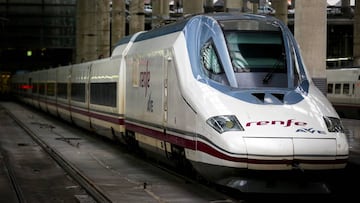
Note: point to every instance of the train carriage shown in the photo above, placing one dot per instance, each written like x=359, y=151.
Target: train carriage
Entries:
x=19, y=86
x=105, y=102
x=63, y=76
x=33, y=94
x=226, y=93
x=51, y=92
x=344, y=91
x=258, y=94
x=5, y=84
x=79, y=94
x=42, y=99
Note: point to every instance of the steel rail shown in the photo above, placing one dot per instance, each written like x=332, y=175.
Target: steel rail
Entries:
x=91, y=188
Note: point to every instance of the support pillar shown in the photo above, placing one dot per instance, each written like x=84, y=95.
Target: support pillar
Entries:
x=310, y=32
x=235, y=6
x=118, y=24
x=193, y=7
x=85, y=31
x=356, y=49
x=103, y=29
x=137, y=16
x=281, y=10
x=160, y=12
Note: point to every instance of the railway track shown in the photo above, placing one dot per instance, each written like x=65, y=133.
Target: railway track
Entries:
x=14, y=184
x=110, y=174
x=28, y=173
x=149, y=181
x=91, y=188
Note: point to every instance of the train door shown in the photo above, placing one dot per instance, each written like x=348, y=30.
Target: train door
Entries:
x=87, y=95
x=181, y=121
x=63, y=92
x=79, y=96
x=166, y=65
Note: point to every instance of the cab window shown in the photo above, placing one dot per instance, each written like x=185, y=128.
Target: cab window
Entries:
x=210, y=59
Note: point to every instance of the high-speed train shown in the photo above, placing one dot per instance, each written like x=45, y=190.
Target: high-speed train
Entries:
x=227, y=93
x=344, y=91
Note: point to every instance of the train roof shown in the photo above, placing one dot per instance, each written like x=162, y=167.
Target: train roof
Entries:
x=181, y=24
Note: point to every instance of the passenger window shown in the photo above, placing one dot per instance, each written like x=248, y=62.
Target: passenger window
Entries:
x=346, y=88
x=210, y=59
x=337, y=88
x=103, y=94
x=62, y=90
x=50, y=89
x=135, y=73
x=353, y=89
x=42, y=88
x=330, y=88
x=35, y=89
x=78, y=92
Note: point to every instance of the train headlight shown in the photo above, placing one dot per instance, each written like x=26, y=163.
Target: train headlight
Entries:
x=225, y=123
x=333, y=124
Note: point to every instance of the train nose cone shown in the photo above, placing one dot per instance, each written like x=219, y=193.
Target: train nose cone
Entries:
x=287, y=153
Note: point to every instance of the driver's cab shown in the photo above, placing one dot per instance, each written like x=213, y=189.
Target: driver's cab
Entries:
x=261, y=55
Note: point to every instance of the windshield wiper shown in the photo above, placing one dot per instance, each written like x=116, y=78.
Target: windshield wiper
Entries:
x=269, y=75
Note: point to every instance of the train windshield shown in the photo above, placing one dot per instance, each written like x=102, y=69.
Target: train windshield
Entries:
x=257, y=53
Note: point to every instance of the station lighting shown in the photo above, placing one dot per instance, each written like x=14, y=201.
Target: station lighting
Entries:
x=29, y=53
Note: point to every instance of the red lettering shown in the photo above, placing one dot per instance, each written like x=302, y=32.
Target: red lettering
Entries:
x=286, y=123
x=262, y=122
x=300, y=123
x=249, y=123
x=280, y=122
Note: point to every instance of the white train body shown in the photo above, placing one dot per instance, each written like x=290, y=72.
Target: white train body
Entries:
x=181, y=94
x=344, y=91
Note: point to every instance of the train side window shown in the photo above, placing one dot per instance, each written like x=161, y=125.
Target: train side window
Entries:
x=135, y=73
x=50, y=89
x=353, y=89
x=346, y=88
x=78, y=92
x=330, y=88
x=61, y=90
x=210, y=59
x=34, y=89
x=103, y=94
x=337, y=88
x=41, y=88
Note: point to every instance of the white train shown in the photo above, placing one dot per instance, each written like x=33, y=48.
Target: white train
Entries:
x=344, y=91
x=226, y=93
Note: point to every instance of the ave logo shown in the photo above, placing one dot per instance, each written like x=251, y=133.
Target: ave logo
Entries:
x=310, y=130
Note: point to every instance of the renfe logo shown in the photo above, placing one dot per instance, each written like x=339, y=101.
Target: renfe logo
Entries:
x=145, y=78
x=287, y=123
